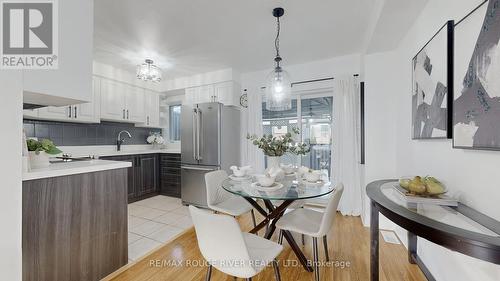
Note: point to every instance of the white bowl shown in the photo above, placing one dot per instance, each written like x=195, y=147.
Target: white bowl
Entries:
x=289, y=169
x=313, y=176
x=264, y=180
x=239, y=173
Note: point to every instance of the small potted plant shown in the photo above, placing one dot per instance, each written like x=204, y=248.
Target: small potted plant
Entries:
x=155, y=139
x=39, y=150
x=275, y=147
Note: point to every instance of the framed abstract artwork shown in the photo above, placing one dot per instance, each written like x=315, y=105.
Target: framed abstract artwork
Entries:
x=432, y=76
x=476, y=116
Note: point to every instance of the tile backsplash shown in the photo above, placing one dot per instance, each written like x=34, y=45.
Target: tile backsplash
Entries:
x=71, y=134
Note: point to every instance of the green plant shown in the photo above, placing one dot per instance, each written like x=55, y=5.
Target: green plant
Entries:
x=43, y=145
x=278, y=146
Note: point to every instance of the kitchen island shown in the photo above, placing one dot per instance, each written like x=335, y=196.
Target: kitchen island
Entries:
x=74, y=220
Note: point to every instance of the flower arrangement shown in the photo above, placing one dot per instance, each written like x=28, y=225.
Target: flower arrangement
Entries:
x=43, y=145
x=278, y=146
x=155, y=138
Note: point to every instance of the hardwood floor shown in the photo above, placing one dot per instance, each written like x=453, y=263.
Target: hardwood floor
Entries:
x=348, y=246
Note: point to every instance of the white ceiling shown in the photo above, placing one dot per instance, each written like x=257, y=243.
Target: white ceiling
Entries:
x=186, y=37
x=395, y=18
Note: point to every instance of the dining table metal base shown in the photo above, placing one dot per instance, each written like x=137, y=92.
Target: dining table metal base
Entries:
x=271, y=216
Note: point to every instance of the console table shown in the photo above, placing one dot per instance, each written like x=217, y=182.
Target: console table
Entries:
x=461, y=229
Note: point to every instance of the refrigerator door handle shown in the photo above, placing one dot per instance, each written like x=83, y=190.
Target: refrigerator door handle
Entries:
x=195, y=130
x=198, y=138
x=198, y=168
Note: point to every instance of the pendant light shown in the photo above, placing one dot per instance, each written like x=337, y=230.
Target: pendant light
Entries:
x=148, y=71
x=278, y=84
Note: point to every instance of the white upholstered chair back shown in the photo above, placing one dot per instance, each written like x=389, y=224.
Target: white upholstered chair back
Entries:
x=215, y=193
x=221, y=243
x=330, y=211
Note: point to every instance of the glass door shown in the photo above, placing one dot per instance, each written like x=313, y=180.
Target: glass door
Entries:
x=316, y=127
x=312, y=113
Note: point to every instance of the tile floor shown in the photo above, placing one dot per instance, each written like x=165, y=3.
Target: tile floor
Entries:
x=153, y=222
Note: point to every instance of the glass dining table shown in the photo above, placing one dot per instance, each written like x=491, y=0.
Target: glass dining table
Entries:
x=276, y=202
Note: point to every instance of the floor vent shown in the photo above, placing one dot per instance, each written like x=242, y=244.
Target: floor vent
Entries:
x=390, y=237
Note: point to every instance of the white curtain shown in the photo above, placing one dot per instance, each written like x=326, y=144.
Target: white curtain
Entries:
x=252, y=124
x=346, y=143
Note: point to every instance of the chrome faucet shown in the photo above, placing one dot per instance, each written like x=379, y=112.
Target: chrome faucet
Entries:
x=119, y=140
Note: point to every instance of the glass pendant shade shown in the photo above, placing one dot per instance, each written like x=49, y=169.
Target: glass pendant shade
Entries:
x=278, y=90
x=148, y=72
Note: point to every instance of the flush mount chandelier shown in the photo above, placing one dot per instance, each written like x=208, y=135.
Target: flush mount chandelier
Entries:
x=278, y=85
x=148, y=71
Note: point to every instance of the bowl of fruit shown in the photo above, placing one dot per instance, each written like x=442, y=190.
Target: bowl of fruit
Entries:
x=423, y=186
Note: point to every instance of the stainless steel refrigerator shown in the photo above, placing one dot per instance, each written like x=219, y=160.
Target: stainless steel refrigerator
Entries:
x=210, y=140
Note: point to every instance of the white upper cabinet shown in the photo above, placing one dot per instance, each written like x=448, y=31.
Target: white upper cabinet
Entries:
x=151, y=110
x=200, y=94
x=112, y=100
x=62, y=113
x=30, y=113
x=73, y=77
x=81, y=113
x=90, y=112
x=226, y=93
x=134, y=102
x=121, y=102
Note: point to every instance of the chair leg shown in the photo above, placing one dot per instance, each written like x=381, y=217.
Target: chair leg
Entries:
x=325, y=245
x=315, y=258
x=280, y=237
x=253, y=218
x=209, y=273
x=276, y=270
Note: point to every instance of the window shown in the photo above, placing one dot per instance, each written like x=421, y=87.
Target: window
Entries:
x=312, y=114
x=174, y=122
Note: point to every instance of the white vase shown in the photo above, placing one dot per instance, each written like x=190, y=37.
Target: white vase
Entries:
x=38, y=159
x=273, y=162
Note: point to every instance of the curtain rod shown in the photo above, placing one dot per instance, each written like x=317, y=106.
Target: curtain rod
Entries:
x=312, y=81
x=318, y=80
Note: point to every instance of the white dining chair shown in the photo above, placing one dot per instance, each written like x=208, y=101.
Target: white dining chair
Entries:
x=312, y=223
x=219, y=200
x=225, y=247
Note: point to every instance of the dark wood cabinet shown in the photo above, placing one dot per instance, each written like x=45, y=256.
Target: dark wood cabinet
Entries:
x=142, y=177
x=131, y=173
x=152, y=174
x=74, y=227
x=170, y=178
x=148, y=174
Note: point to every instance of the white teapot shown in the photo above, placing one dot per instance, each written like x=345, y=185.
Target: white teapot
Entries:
x=240, y=171
x=312, y=175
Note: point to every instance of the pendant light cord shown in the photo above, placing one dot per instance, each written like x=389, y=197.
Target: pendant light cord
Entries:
x=277, y=39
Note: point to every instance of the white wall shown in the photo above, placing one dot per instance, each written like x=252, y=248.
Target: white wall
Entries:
x=473, y=174
x=10, y=173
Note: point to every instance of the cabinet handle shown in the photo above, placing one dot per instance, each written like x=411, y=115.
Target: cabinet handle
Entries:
x=148, y=120
x=75, y=112
x=69, y=111
x=127, y=114
x=124, y=114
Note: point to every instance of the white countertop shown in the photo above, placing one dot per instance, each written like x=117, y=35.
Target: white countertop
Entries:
x=145, y=151
x=110, y=150
x=71, y=168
